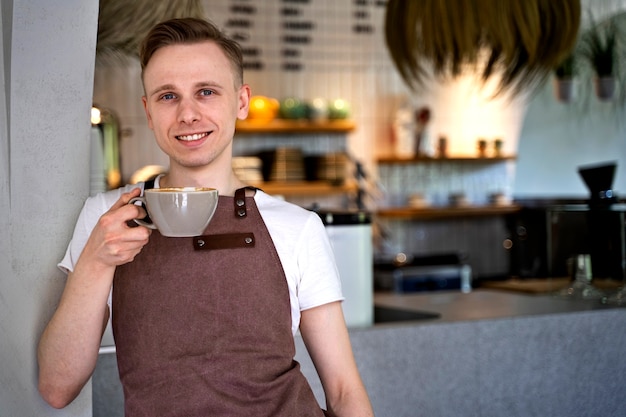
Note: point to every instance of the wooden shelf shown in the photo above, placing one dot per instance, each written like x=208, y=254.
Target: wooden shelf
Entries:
x=430, y=213
x=458, y=158
x=294, y=126
x=305, y=188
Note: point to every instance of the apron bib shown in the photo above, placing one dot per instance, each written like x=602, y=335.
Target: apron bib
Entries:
x=202, y=325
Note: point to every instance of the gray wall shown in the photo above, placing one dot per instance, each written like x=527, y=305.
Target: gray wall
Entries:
x=558, y=138
x=46, y=82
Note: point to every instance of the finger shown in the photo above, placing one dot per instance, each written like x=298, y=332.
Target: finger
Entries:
x=141, y=212
x=138, y=235
x=128, y=213
x=121, y=211
x=126, y=197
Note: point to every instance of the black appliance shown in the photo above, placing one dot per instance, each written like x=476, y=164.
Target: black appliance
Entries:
x=546, y=234
x=599, y=180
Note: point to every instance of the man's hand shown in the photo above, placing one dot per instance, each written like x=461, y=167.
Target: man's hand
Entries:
x=113, y=242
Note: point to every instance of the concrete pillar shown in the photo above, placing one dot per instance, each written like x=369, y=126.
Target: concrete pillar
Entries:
x=46, y=81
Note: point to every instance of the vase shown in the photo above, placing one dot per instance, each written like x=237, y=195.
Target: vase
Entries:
x=605, y=88
x=564, y=89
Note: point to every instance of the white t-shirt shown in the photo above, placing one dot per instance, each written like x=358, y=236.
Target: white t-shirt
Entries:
x=298, y=234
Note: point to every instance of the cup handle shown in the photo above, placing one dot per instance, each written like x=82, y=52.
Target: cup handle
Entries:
x=141, y=222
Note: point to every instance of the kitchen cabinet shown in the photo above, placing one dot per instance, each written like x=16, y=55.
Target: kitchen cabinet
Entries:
x=300, y=132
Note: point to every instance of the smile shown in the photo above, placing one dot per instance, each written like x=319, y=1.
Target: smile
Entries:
x=195, y=136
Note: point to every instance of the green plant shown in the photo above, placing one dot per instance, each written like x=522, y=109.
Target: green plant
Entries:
x=567, y=68
x=599, y=45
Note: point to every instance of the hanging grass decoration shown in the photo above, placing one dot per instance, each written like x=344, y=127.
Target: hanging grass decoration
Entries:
x=122, y=24
x=520, y=40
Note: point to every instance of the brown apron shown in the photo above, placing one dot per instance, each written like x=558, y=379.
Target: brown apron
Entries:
x=202, y=325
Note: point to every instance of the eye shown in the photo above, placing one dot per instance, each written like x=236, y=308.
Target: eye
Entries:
x=168, y=96
x=206, y=92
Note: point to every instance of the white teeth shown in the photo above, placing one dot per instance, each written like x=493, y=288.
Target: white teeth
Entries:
x=191, y=137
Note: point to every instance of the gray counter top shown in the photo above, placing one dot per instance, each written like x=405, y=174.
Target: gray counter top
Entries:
x=480, y=304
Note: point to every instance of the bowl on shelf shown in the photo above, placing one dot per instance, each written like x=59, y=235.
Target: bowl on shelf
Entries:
x=262, y=109
x=458, y=200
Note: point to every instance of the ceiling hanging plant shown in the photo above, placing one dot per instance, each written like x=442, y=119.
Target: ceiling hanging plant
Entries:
x=122, y=24
x=520, y=41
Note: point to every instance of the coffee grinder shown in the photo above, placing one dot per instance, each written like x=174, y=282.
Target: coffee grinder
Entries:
x=605, y=221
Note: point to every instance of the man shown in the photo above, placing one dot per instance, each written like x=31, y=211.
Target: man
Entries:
x=201, y=332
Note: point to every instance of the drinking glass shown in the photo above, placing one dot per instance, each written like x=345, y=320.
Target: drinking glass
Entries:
x=581, y=288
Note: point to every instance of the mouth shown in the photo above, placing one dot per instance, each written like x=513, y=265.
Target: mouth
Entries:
x=193, y=137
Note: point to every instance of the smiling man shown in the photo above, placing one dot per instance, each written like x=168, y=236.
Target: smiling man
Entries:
x=201, y=332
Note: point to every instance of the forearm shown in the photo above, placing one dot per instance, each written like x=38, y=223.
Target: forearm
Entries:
x=352, y=403
x=68, y=348
x=345, y=393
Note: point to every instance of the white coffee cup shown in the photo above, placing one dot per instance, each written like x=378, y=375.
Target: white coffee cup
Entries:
x=180, y=211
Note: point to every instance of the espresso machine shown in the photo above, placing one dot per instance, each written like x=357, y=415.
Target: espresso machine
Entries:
x=547, y=235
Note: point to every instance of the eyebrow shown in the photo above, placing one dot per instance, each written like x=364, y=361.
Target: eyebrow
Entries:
x=202, y=84
x=161, y=88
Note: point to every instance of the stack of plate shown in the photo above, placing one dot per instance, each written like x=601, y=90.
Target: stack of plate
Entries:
x=288, y=165
x=247, y=168
x=332, y=167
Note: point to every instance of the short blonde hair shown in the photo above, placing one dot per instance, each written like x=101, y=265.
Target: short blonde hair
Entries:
x=190, y=30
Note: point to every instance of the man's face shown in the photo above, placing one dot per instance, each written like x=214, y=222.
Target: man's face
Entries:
x=192, y=102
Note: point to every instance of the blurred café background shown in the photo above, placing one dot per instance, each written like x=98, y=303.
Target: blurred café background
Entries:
x=466, y=156
x=507, y=152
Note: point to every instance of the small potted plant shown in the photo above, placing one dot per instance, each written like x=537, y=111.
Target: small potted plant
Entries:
x=564, y=74
x=599, y=45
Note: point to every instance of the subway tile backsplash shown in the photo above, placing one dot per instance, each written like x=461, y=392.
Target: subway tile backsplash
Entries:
x=437, y=181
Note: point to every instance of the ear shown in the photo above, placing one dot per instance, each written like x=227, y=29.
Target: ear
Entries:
x=244, y=101
x=144, y=100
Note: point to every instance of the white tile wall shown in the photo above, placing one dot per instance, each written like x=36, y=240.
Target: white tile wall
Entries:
x=438, y=180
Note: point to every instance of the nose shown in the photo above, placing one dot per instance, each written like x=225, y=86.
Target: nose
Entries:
x=188, y=111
